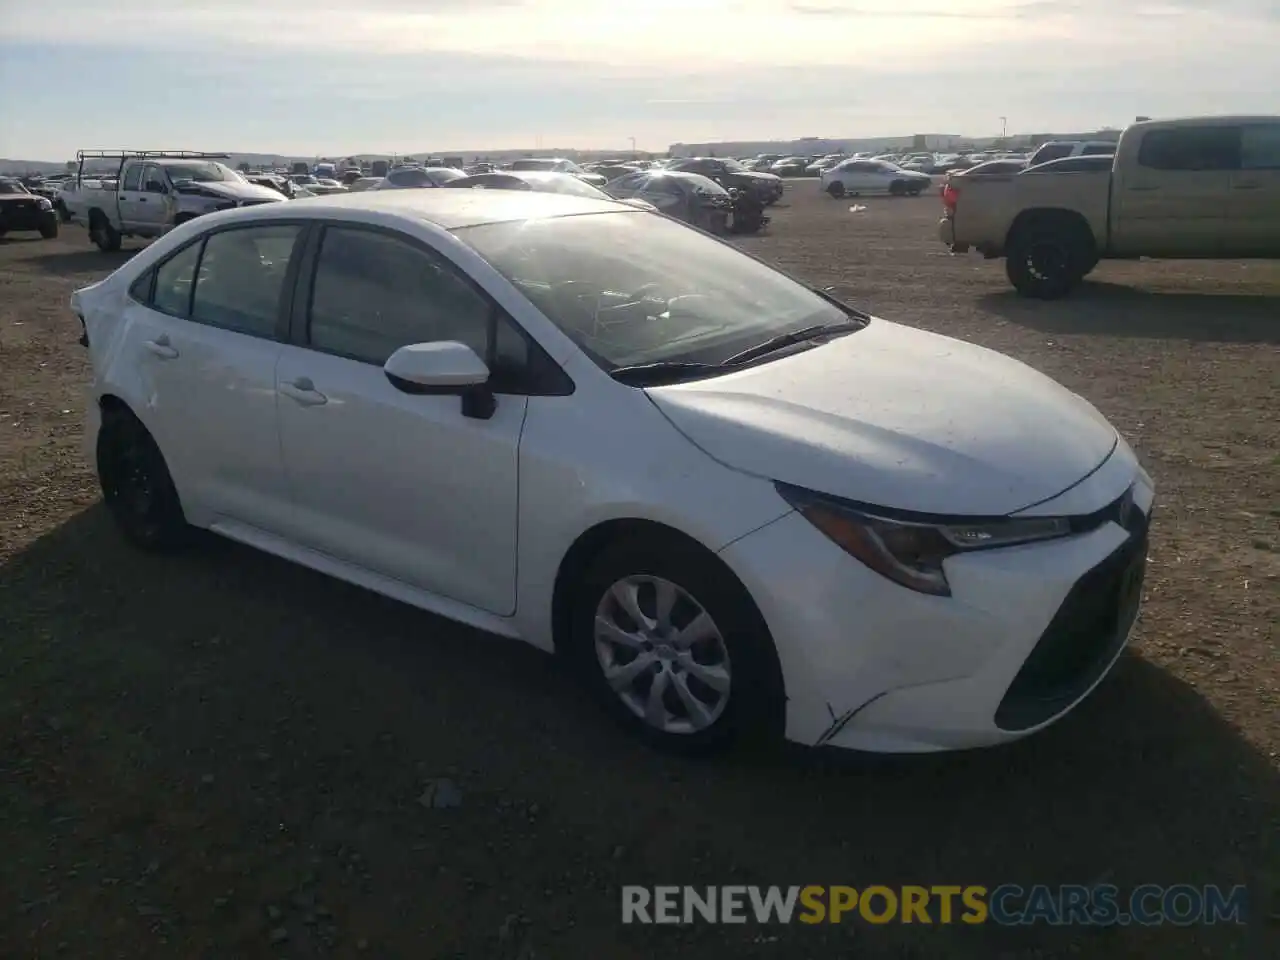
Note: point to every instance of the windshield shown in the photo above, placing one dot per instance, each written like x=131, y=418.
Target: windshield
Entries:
x=439, y=175
x=566, y=183
x=535, y=164
x=732, y=164
x=203, y=172
x=632, y=288
x=12, y=186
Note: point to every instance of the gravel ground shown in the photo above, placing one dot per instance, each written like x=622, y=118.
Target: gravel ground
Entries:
x=220, y=755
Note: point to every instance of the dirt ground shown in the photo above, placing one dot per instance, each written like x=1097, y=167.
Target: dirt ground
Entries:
x=221, y=755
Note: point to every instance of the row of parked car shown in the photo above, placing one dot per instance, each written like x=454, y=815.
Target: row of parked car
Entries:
x=151, y=192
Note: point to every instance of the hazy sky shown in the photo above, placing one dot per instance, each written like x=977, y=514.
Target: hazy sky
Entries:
x=292, y=76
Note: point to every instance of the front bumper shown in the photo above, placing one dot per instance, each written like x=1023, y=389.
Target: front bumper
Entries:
x=27, y=218
x=1028, y=632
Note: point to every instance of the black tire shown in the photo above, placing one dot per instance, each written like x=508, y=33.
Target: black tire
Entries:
x=102, y=233
x=755, y=704
x=63, y=213
x=1044, y=261
x=836, y=189
x=136, y=485
x=49, y=230
x=898, y=188
x=916, y=191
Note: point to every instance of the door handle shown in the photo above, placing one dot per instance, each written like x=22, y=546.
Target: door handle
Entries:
x=142, y=199
x=303, y=391
x=160, y=347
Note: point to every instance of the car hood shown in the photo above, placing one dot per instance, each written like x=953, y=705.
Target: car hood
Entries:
x=231, y=189
x=756, y=174
x=899, y=418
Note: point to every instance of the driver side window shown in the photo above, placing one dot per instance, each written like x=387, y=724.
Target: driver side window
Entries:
x=132, y=178
x=153, y=179
x=374, y=293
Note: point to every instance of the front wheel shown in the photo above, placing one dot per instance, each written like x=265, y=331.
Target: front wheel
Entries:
x=673, y=646
x=136, y=485
x=836, y=189
x=49, y=229
x=897, y=188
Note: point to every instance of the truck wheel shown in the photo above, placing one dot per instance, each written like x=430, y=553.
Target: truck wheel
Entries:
x=49, y=229
x=1045, y=263
x=897, y=188
x=836, y=189
x=102, y=233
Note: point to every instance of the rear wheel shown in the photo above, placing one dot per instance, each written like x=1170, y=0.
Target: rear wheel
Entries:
x=102, y=233
x=1045, y=262
x=836, y=189
x=673, y=646
x=136, y=485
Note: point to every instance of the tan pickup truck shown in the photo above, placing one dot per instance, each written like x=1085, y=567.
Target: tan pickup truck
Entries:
x=1200, y=188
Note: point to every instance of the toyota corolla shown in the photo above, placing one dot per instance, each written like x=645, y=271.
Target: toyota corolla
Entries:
x=732, y=503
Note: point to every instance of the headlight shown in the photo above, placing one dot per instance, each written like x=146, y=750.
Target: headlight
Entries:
x=911, y=552
x=44, y=204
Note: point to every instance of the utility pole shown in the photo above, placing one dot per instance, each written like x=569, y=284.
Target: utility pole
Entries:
x=633, y=147
x=1004, y=128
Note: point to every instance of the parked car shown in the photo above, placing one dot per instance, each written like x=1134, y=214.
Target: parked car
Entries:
x=816, y=168
x=729, y=173
x=790, y=167
x=158, y=190
x=1192, y=188
x=859, y=177
x=556, y=165
x=1058, y=149
x=416, y=178
x=690, y=197
x=364, y=183
x=21, y=210
x=543, y=181
x=993, y=168
x=604, y=433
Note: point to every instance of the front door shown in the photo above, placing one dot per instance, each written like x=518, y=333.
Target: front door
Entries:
x=1172, y=201
x=1253, y=212
x=152, y=205
x=401, y=484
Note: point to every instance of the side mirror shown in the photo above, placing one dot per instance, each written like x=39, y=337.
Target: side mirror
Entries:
x=443, y=367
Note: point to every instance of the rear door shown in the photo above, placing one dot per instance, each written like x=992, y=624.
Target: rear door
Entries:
x=1253, y=212
x=1171, y=199
x=206, y=326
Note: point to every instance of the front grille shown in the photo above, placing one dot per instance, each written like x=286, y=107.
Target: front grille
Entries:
x=1085, y=634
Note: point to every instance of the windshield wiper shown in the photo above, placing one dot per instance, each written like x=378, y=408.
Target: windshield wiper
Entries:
x=662, y=371
x=787, y=339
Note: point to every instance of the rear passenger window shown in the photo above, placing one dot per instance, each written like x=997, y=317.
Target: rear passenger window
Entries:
x=1260, y=147
x=241, y=279
x=1096, y=149
x=1191, y=149
x=174, y=278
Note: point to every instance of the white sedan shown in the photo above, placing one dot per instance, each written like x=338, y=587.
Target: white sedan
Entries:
x=852, y=178
x=734, y=504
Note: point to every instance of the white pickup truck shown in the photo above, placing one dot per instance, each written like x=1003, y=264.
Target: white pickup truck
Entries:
x=155, y=191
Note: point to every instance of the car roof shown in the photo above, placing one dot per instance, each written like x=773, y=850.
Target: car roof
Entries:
x=447, y=209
